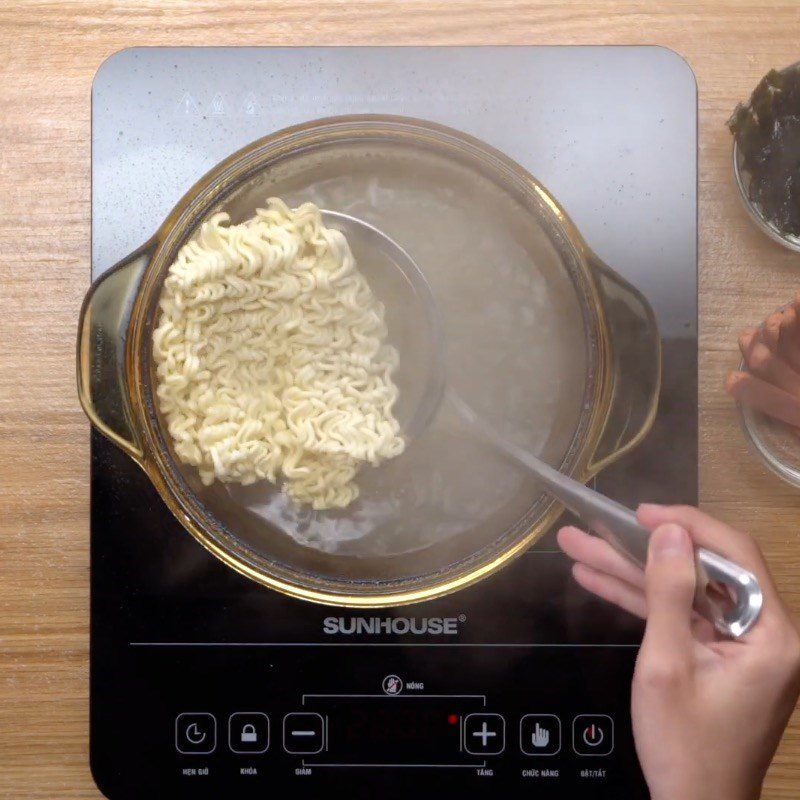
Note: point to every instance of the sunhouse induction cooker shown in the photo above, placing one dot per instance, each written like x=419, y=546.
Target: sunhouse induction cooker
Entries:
x=205, y=684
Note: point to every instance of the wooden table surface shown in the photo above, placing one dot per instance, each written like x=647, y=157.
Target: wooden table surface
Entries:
x=49, y=52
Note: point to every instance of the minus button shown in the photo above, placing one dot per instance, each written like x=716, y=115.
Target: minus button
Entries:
x=303, y=733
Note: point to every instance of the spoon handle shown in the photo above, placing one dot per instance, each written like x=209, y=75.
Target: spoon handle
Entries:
x=727, y=595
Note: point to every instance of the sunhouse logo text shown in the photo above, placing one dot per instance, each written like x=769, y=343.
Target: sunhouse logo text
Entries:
x=399, y=626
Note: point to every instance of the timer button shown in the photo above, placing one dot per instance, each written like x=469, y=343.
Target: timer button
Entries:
x=196, y=734
x=593, y=734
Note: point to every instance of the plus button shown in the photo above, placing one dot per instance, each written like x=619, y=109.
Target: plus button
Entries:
x=484, y=734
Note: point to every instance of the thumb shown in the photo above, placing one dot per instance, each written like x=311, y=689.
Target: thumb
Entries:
x=669, y=588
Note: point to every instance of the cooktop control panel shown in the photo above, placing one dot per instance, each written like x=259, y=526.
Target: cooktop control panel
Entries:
x=458, y=730
x=238, y=720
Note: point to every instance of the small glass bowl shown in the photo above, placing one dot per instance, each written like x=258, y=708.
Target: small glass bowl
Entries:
x=776, y=445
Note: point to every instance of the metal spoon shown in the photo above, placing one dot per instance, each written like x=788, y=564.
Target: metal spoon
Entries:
x=727, y=595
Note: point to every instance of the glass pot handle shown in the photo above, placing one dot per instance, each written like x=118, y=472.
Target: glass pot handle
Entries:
x=102, y=341
x=635, y=369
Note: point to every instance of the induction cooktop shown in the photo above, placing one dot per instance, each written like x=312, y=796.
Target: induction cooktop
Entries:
x=205, y=684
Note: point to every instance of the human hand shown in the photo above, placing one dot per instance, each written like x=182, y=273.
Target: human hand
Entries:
x=772, y=356
x=708, y=712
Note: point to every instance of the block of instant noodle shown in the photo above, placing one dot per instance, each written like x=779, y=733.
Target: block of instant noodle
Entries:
x=272, y=361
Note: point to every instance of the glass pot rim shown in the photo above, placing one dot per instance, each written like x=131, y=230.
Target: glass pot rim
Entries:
x=584, y=458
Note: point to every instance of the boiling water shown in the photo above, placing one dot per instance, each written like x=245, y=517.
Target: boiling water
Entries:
x=514, y=348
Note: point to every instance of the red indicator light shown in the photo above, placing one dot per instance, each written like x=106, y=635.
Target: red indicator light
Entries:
x=453, y=719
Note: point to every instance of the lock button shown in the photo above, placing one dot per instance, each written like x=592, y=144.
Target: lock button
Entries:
x=248, y=732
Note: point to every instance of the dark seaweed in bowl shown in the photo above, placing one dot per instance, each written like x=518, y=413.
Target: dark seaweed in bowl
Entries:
x=767, y=132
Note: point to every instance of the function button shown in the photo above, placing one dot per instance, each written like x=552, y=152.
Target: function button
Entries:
x=484, y=734
x=540, y=734
x=195, y=733
x=593, y=734
x=248, y=732
x=303, y=733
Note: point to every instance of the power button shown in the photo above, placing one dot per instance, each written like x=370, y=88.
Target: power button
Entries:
x=593, y=735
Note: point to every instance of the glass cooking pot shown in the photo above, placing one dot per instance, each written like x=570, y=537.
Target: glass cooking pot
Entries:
x=540, y=337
